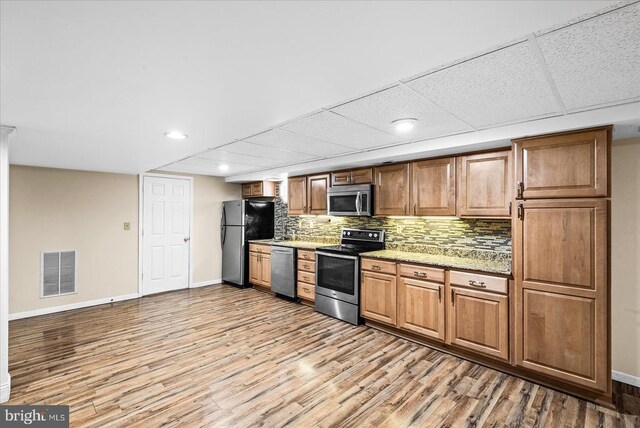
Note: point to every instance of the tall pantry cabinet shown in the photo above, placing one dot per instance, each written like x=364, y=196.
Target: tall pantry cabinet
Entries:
x=561, y=258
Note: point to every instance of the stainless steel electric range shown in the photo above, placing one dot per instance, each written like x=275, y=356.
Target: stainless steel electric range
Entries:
x=338, y=273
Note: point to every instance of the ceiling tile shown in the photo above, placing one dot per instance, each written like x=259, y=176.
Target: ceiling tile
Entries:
x=336, y=129
x=284, y=140
x=596, y=61
x=381, y=108
x=276, y=156
x=224, y=156
x=501, y=87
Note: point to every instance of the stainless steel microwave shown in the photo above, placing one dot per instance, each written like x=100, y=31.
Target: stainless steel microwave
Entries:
x=350, y=200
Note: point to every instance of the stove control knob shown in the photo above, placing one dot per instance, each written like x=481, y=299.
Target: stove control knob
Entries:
x=344, y=233
x=375, y=235
x=370, y=235
x=348, y=233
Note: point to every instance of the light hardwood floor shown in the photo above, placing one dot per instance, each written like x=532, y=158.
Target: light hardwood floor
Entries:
x=220, y=356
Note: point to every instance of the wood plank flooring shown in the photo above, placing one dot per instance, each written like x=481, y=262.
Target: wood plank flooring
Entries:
x=220, y=356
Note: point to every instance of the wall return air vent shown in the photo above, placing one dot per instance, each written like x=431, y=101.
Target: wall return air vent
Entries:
x=58, y=273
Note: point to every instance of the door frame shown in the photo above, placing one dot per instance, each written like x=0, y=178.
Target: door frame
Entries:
x=141, y=224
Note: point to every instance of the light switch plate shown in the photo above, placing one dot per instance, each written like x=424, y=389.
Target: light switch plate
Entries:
x=127, y=226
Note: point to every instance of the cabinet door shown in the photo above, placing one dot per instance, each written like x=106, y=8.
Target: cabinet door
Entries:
x=484, y=185
x=479, y=321
x=257, y=188
x=562, y=289
x=255, y=270
x=378, y=300
x=362, y=176
x=434, y=187
x=265, y=270
x=246, y=190
x=340, y=178
x=392, y=189
x=317, y=186
x=421, y=307
x=567, y=165
x=297, y=195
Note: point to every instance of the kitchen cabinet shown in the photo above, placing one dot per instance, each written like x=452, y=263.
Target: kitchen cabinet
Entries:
x=421, y=306
x=355, y=176
x=562, y=290
x=566, y=165
x=433, y=184
x=297, y=195
x=391, y=193
x=378, y=292
x=259, y=189
x=306, y=275
x=484, y=185
x=308, y=195
x=260, y=265
x=479, y=322
x=317, y=186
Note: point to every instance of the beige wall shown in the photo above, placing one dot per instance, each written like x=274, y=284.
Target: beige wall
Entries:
x=625, y=256
x=55, y=209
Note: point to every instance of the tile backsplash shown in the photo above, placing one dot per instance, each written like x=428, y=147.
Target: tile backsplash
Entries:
x=449, y=233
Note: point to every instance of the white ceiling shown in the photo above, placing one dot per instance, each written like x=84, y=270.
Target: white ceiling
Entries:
x=93, y=85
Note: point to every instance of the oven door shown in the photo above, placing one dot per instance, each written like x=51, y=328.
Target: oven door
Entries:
x=338, y=276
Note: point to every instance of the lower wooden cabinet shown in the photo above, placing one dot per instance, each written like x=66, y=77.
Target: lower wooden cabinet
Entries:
x=260, y=267
x=479, y=321
x=421, y=307
x=378, y=297
x=306, y=275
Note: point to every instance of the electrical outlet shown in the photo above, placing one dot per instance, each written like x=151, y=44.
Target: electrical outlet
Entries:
x=127, y=226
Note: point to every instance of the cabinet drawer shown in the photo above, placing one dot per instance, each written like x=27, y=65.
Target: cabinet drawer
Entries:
x=306, y=291
x=422, y=272
x=379, y=266
x=478, y=281
x=260, y=248
x=306, y=255
x=309, y=278
x=307, y=266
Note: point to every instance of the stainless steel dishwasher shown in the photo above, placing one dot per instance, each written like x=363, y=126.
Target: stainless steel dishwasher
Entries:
x=283, y=271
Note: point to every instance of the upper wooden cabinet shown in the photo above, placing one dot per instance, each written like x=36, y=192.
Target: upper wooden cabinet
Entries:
x=566, y=165
x=259, y=189
x=297, y=195
x=317, y=186
x=356, y=176
x=433, y=187
x=392, y=189
x=484, y=185
x=562, y=290
x=308, y=195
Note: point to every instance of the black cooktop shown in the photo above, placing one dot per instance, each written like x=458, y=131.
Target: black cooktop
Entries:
x=347, y=249
x=356, y=241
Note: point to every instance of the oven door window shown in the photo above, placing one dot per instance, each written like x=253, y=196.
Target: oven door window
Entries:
x=342, y=203
x=336, y=274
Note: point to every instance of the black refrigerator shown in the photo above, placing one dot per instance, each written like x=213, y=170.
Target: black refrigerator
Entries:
x=242, y=220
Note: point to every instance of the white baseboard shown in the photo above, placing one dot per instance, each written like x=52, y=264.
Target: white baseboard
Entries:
x=54, y=309
x=5, y=390
x=625, y=378
x=205, y=283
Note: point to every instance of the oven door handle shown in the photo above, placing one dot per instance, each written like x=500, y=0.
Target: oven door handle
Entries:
x=338, y=256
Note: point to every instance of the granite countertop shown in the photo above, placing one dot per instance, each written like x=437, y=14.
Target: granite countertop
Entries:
x=303, y=245
x=500, y=265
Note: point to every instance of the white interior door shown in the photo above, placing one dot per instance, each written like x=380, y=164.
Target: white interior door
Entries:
x=166, y=214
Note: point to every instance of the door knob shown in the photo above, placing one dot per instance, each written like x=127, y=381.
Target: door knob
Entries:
x=187, y=239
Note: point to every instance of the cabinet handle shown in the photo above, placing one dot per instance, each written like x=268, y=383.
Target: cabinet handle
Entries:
x=420, y=274
x=375, y=267
x=452, y=297
x=477, y=284
x=415, y=209
x=439, y=294
x=404, y=208
x=520, y=212
x=519, y=189
x=306, y=290
x=510, y=205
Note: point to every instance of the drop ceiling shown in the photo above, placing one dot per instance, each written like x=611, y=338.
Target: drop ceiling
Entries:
x=269, y=88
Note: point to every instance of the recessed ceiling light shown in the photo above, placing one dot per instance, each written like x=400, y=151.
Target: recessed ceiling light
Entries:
x=404, y=125
x=175, y=135
x=223, y=167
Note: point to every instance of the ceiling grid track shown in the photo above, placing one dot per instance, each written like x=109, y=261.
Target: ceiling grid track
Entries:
x=537, y=52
